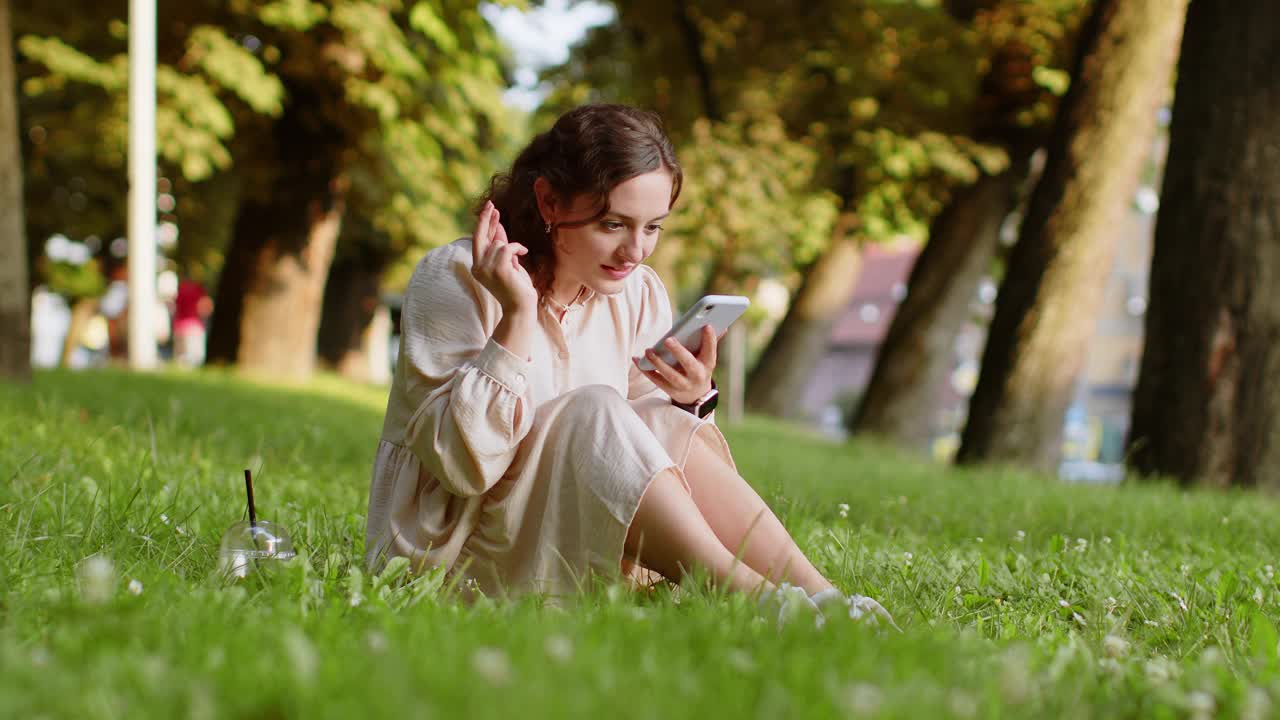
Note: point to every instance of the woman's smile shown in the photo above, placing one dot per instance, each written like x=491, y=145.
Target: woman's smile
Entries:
x=618, y=273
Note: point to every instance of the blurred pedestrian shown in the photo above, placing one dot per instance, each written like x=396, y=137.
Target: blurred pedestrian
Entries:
x=191, y=309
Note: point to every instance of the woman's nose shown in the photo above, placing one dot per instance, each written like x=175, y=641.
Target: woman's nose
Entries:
x=633, y=250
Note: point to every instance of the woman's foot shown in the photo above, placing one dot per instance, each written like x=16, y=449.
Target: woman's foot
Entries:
x=832, y=604
x=786, y=602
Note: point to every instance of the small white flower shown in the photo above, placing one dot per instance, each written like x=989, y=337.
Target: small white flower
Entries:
x=844, y=509
x=862, y=698
x=1186, y=569
x=97, y=577
x=978, y=539
x=1159, y=670
x=908, y=556
x=1082, y=542
x=357, y=599
x=1015, y=675
x=741, y=660
x=559, y=648
x=1079, y=618
x=302, y=655
x=1225, y=520
x=1153, y=623
x=1257, y=705
x=1115, y=646
x=1211, y=656
x=1064, y=603
x=1021, y=535
x=1106, y=540
x=1182, y=604
x=135, y=586
x=1201, y=704
x=492, y=664
x=181, y=531
x=1112, y=604
x=164, y=518
x=1257, y=595
x=962, y=704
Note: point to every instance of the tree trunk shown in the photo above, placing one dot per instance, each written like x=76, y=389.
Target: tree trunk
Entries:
x=915, y=360
x=15, y=290
x=354, y=325
x=1206, y=408
x=271, y=290
x=1049, y=300
x=787, y=363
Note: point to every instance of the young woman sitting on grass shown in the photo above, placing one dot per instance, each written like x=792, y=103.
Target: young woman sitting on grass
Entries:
x=523, y=447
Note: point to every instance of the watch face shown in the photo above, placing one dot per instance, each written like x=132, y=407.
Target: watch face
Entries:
x=708, y=405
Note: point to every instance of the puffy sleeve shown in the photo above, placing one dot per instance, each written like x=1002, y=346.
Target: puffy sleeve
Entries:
x=652, y=320
x=471, y=399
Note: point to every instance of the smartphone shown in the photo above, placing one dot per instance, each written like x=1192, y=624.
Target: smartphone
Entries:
x=718, y=311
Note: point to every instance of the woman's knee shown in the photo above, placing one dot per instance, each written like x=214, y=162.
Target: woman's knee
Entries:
x=591, y=399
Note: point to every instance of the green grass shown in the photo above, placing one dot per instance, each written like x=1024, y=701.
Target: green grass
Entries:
x=1018, y=596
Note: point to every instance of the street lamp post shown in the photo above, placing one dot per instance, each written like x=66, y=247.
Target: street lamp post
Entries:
x=142, y=184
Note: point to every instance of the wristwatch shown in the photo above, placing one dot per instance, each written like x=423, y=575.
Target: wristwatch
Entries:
x=703, y=406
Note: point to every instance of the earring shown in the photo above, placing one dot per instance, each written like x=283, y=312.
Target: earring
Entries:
x=548, y=228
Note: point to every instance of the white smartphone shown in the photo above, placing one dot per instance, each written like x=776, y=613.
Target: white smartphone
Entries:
x=718, y=311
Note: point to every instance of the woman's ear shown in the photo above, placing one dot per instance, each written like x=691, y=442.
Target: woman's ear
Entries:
x=546, y=199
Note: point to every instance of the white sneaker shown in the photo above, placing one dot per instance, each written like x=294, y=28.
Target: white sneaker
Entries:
x=786, y=602
x=858, y=607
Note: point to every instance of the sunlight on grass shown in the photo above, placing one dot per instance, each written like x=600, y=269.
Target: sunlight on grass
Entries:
x=1018, y=595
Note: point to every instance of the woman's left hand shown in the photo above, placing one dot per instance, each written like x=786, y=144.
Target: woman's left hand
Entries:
x=692, y=378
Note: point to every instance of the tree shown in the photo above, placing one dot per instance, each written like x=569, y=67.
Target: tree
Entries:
x=873, y=92
x=1016, y=99
x=1049, y=299
x=279, y=122
x=388, y=105
x=15, y=293
x=1205, y=410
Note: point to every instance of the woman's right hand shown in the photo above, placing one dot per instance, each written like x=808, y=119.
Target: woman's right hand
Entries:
x=495, y=264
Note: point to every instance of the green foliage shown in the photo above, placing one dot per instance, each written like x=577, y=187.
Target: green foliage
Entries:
x=897, y=99
x=1019, y=596
x=748, y=199
x=413, y=88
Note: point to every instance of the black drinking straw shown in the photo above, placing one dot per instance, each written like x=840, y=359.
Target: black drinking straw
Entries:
x=248, y=489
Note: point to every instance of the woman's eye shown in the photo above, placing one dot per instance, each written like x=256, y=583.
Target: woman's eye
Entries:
x=651, y=229
x=611, y=225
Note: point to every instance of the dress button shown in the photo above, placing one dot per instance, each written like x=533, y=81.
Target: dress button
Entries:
x=520, y=377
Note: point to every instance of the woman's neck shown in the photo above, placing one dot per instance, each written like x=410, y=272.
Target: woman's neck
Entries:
x=565, y=294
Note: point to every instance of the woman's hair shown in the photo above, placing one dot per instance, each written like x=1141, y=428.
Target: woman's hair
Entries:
x=589, y=151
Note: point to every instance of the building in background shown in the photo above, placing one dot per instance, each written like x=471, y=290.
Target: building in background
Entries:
x=1098, y=418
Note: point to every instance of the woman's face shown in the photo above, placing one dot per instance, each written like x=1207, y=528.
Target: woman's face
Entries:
x=602, y=253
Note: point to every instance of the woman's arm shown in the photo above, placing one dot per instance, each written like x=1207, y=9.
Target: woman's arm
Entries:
x=468, y=388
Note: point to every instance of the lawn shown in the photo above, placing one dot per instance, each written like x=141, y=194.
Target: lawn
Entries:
x=1018, y=596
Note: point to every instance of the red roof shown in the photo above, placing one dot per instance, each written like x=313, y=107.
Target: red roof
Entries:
x=882, y=269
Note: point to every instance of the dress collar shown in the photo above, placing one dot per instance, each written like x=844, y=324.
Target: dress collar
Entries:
x=578, y=302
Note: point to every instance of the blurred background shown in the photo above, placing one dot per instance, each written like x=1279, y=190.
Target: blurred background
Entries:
x=945, y=212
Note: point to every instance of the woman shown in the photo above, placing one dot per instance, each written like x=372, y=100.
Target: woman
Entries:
x=523, y=447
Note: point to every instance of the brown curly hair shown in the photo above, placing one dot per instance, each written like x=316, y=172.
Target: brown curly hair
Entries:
x=589, y=151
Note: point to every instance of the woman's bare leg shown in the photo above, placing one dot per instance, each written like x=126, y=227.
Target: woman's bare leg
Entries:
x=744, y=523
x=669, y=534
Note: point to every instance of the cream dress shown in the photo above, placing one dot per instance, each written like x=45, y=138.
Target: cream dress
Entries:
x=522, y=475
